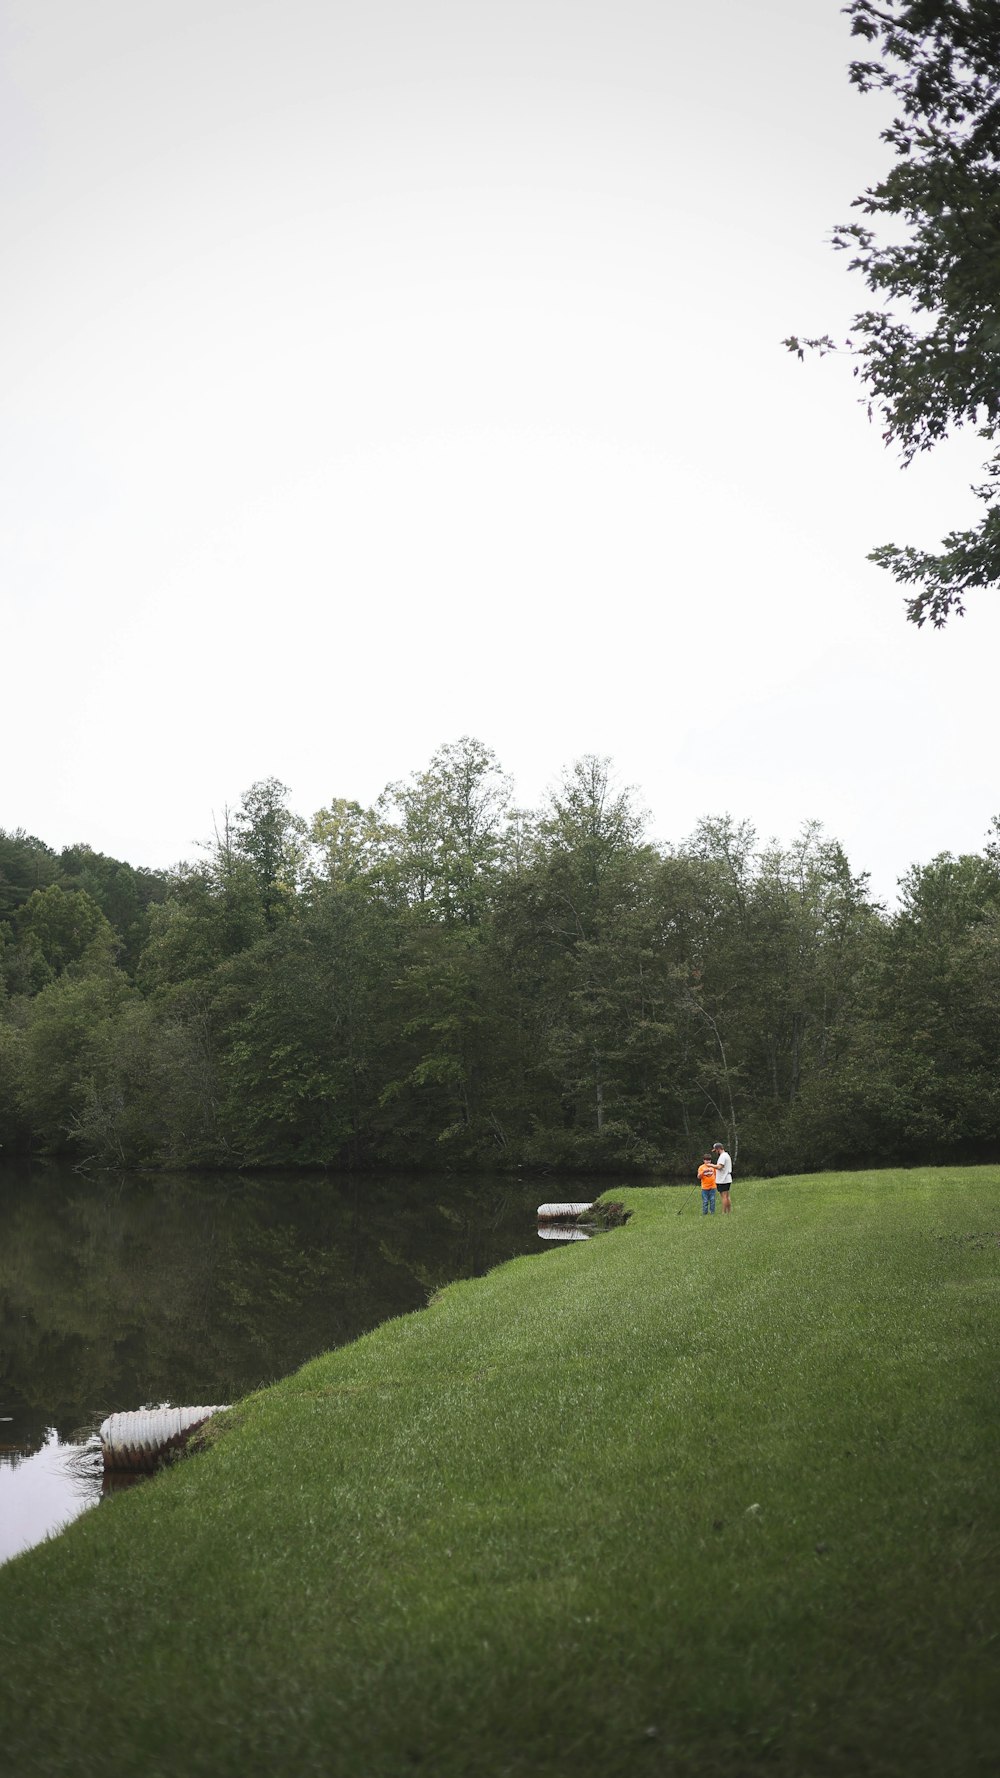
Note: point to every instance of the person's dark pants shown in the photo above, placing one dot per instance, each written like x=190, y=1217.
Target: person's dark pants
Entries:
x=708, y=1200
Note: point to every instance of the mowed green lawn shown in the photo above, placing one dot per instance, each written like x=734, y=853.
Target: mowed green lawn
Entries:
x=701, y=1496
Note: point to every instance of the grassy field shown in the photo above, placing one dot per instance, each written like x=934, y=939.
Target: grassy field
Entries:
x=701, y=1496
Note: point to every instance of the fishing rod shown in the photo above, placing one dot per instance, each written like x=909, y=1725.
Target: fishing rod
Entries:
x=696, y=1187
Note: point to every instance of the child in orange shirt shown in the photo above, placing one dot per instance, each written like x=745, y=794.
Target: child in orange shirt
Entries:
x=706, y=1174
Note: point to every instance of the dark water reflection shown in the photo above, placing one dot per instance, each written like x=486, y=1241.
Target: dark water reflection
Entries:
x=120, y=1293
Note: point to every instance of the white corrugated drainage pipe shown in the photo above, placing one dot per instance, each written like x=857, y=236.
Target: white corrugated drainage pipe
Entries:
x=561, y=1212
x=140, y=1441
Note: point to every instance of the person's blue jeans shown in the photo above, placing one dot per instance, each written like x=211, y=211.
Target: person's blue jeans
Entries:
x=708, y=1200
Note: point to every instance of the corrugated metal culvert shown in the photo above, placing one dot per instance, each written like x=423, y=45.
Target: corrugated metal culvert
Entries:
x=140, y=1441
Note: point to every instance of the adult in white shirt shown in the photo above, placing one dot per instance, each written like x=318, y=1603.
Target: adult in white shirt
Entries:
x=723, y=1174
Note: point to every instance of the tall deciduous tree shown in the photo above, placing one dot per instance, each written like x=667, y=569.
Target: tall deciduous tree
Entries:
x=124, y=895
x=26, y=864
x=62, y=925
x=350, y=845
x=583, y=956
x=451, y=829
x=936, y=366
x=268, y=839
x=302, y=1063
x=51, y=1064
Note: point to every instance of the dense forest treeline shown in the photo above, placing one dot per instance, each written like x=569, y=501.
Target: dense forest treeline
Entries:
x=446, y=979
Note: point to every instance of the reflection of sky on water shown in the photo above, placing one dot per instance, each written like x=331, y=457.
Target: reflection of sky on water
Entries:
x=43, y=1491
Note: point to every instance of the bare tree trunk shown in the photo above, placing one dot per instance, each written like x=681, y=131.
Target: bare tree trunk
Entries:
x=798, y=1034
x=696, y=1004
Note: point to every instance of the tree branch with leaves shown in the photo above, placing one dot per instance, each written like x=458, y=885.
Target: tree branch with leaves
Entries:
x=936, y=369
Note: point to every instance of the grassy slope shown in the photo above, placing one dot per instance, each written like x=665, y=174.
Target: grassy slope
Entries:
x=510, y=1535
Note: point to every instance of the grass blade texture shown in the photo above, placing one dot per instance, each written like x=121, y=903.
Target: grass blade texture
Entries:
x=701, y=1496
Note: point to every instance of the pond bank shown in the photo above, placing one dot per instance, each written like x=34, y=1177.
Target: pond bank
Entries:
x=706, y=1495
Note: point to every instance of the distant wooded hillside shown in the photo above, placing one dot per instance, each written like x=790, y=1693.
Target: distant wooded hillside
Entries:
x=444, y=979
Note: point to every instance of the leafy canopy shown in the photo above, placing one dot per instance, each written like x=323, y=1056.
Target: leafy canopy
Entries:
x=937, y=367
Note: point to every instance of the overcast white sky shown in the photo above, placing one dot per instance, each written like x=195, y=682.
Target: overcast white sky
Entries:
x=379, y=373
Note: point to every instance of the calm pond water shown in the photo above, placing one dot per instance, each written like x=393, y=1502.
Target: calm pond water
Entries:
x=139, y=1291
